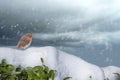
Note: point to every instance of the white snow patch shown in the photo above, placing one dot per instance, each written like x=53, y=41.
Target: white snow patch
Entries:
x=65, y=64
x=78, y=68
x=110, y=72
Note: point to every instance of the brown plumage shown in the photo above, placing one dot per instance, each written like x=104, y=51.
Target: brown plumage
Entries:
x=25, y=41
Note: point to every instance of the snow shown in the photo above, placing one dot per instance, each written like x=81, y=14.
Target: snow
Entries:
x=78, y=68
x=65, y=64
x=110, y=72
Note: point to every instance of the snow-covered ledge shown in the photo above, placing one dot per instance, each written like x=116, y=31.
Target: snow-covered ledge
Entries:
x=65, y=64
x=110, y=72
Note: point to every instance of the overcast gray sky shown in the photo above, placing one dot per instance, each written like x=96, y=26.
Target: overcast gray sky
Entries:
x=86, y=28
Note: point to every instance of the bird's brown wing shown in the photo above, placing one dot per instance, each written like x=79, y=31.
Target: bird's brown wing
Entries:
x=23, y=42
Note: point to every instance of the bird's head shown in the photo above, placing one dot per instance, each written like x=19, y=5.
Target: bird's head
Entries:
x=29, y=35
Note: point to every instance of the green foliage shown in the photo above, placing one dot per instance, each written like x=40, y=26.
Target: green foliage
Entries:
x=67, y=78
x=118, y=74
x=10, y=72
x=42, y=60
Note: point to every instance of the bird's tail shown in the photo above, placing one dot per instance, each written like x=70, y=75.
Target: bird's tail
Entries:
x=17, y=46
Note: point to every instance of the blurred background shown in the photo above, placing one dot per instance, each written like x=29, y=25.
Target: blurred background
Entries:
x=89, y=29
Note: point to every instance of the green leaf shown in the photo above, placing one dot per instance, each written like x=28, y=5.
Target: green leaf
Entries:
x=46, y=69
x=67, y=78
x=10, y=67
x=24, y=74
x=52, y=74
x=118, y=74
x=3, y=63
x=42, y=60
x=18, y=69
x=37, y=69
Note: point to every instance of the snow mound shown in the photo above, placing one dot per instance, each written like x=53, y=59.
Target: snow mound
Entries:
x=110, y=72
x=65, y=64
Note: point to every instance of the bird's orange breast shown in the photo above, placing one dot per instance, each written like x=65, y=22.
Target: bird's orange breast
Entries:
x=30, y=37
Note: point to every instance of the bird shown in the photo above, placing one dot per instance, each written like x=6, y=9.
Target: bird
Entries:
x=25, y=41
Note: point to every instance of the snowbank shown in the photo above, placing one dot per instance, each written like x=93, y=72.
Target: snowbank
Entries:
x=65, y=64
x=110, y=72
